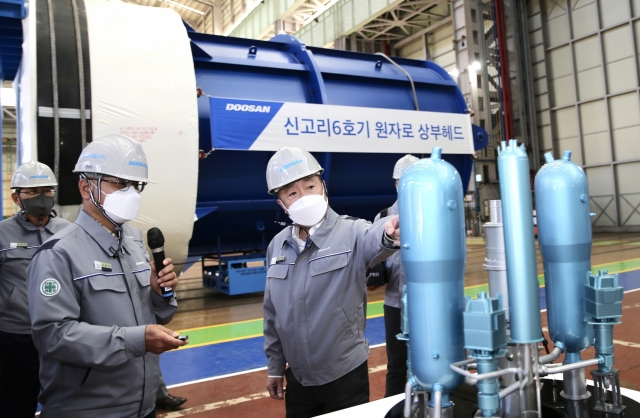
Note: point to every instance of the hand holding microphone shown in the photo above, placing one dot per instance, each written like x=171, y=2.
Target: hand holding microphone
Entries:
x=166, y=275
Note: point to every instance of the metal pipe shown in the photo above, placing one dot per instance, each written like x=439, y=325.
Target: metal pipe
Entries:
x=552, y=356
x=544, y=370
x=407, y=400
x=512, y=388
x=483, y=376
x=437, y=401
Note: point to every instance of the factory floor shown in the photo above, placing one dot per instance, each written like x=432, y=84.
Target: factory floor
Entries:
x=222, y=372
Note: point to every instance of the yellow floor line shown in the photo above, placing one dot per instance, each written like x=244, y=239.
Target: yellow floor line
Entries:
x=380, y=301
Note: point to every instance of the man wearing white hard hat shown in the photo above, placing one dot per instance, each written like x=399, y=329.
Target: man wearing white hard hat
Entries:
x=33, y=186
x=394, y=274
x=314, y=313
x=95, y=300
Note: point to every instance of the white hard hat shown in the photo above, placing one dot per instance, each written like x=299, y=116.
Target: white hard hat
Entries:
x=288, y=165
x=402, y=165
x=114, y=155
x=33, y=174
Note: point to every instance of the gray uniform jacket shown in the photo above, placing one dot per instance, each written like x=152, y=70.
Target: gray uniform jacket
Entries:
x=313, y=302
x=19, y=241
x=89, y=312
x=395, y=272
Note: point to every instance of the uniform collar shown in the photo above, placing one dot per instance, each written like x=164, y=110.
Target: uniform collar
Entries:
x=99, y=234
x=321, y=233
x=325, y=229
x=24, y=222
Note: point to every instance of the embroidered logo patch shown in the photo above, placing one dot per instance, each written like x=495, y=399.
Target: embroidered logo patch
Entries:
x=50, y=287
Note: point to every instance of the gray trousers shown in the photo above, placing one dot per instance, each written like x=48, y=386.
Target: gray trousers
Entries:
x=162, y=389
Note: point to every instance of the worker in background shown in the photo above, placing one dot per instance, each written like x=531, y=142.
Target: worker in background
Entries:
x=94, y=299
x=20, y=236
x=314, y=297
x=392, y=272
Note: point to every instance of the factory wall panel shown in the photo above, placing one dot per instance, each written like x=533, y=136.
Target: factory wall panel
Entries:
x=585, y=60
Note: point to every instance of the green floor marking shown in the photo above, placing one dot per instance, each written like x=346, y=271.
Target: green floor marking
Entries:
x=249, y=329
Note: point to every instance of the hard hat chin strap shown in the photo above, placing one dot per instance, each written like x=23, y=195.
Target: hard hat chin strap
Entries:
x=117, y=228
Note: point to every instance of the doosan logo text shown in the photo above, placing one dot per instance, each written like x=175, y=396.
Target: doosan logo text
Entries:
x=248, y=108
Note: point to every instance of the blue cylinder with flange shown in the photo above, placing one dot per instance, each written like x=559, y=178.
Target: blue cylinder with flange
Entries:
x=433, y=256
x=564, y=236
x=517, y=216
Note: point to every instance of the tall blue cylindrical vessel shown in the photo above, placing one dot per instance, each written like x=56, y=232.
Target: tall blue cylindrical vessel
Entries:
x=522, y=271
x=433, y=256
x=564, y=235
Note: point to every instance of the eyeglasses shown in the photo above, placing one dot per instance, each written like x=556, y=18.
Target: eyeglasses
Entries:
x=34, y=193
x=123, y=185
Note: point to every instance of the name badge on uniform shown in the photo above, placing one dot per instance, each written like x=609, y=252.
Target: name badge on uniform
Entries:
x=102, y=266
x=18, y=245
x=277, y=260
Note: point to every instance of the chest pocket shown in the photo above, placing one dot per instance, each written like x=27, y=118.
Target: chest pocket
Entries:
x=278, y=271
x=143, y=276
x=114, y=283
x=20, y=254
x=328, y=263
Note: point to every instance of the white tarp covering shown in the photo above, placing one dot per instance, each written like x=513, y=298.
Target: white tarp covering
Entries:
x=143, y=86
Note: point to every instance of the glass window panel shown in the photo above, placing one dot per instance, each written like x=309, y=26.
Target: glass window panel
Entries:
x=601, y=194
x=624, y=110
x=591, y=84
x=564, y=91
x=584, y=19
x=593, y=116
x=621, y=76
x=629, y=193
x=613, y=12
x=626, y=144
x=618, y=43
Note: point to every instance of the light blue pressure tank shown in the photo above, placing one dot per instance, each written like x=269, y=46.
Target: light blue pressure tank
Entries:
x=564, y=235
x=522, y=271
x=433, y=256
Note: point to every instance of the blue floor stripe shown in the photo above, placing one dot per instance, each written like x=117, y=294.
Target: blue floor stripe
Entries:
x=236, y=356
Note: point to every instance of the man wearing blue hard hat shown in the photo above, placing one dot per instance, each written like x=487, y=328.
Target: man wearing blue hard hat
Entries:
x=314, y=313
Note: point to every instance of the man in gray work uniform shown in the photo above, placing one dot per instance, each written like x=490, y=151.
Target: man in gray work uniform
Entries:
x=20, y=236
x=313, y=303
x=396, y=349
x=95, y=300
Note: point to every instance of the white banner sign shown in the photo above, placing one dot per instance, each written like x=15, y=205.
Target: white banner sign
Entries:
x=267, y=126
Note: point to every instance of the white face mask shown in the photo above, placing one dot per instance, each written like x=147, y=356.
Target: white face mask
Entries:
x=122, y=206
x=308, y=210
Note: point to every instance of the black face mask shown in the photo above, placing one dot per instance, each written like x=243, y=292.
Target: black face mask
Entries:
x=39, y=206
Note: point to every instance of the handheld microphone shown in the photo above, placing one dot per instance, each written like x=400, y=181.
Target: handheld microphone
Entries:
x=155, y=240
